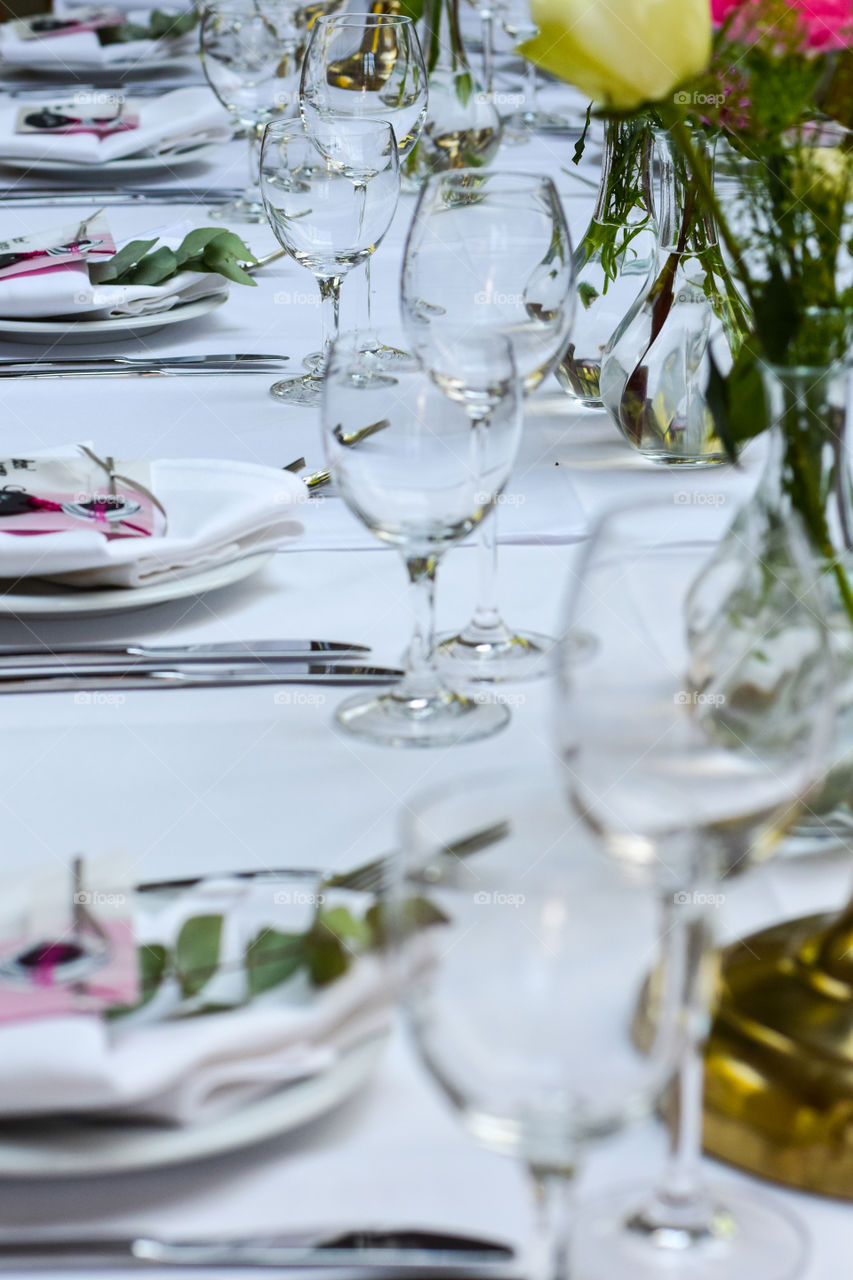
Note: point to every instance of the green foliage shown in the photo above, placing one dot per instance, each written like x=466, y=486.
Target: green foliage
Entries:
x=207, y=249
x=160, y=26
x=197, y=952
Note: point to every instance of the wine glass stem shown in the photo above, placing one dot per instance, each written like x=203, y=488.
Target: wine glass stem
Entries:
x=330, y=308
x=553, y=1197
x=421, y=680
x=253, y=133
x=532, y=90
x=680, y=1201
x=368, y=300
x=486, y=615
x=487, y=28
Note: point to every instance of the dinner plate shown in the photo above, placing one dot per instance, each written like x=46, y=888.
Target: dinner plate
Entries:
x=126, y=164
x=108, y=330
x=32, y=598
x=60, y=1148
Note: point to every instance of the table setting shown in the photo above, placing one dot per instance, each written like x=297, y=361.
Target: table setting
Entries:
x=495, y=925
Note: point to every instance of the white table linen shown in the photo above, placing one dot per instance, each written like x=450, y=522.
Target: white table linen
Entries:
x=241, y=773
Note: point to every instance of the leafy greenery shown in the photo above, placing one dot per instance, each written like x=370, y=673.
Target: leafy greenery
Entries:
x=161, y=26
x=324, y=952
x=207, y=249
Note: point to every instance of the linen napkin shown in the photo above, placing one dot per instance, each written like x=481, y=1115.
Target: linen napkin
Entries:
x=68, y=292
x=82, y=49
x=176, y=119
x=192, y=1071
x=218, y=511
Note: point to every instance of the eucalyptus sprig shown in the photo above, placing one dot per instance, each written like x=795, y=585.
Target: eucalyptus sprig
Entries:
x=160, y=26
x=207, y=249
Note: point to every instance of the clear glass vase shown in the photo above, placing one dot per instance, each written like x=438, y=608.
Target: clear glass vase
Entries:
x=615, y=255
x=654, y=370
x=806, y=477
x=462, y=128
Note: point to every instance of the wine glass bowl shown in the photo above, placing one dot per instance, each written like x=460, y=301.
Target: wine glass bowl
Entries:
x=330, y=197
x=250, y=55
x=408, y=464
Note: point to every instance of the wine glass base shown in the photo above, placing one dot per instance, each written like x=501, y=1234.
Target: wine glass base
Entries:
x=521, y=122
x=515, y=656
x=314, y=362
x=442, y=721
x=753, y=1240
x=305, y=391
x=242, y=210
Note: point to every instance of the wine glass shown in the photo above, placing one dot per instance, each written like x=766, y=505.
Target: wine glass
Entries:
x=520, y=992
x=368, y=65
x=517, y=22
x=250, y=54
x=490, y=253
x=406, y=462
x=695, y=777
x=330, y=197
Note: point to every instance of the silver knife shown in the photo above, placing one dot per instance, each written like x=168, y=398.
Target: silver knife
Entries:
x=421, y=1252
x=140, y=370
x=127, y=195
x=109, y=362
x=221, y=650
x=199, y=676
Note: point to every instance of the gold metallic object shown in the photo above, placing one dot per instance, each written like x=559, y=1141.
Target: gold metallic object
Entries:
x=370, y=68
x=779, y=1060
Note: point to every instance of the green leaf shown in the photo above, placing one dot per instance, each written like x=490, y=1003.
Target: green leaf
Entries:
x=400, y=922
x=154, y=268
x=736, y=401
x=196, y=242
x=587, y=293
x=215, y=259
x=413, y=9
x=152, y=962
x=197, y=952
x=109, y=272
x=334, y=938
x=272, y=958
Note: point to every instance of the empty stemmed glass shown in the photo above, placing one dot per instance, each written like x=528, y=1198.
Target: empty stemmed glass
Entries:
x=406, y=462
x=250, y=54
x=521, y=991
x=330, y=196
x=695, y=774
x=490, y=253
x=368, y=65
x=518, y=24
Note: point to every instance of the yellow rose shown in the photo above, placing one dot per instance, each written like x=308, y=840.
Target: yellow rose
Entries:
x=621, y=52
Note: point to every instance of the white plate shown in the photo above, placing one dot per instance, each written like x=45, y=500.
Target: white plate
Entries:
x=74, y=1148
x=110, y=330
x=35, y=599
x=127, y=164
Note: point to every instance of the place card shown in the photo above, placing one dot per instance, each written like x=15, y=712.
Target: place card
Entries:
x=70, y=118
x=89, y=240
x=51, y=24
x=111, y=496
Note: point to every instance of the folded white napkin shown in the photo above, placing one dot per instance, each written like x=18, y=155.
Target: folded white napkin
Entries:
x=176, y=119
x=81, y=50
x=67, y=291
x=217, y=512
x=191, y=1071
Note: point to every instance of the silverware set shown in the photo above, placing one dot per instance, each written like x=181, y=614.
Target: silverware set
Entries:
x=139, y=366
x=53, y=196
x=78, y=668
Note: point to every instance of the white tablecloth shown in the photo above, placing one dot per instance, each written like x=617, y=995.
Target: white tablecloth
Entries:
x=212, y=780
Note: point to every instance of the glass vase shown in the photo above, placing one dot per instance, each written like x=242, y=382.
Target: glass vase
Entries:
x=654, y=370
x=806, y=477
x=613, y=258
x=462, y=129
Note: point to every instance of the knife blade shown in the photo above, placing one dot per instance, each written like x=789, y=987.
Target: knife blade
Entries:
x=79, y=362
x=140, y=371
x=200, y=676
x=222, y=650
x=423, y=1252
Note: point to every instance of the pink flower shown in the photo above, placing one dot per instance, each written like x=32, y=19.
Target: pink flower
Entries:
x=824, y=24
